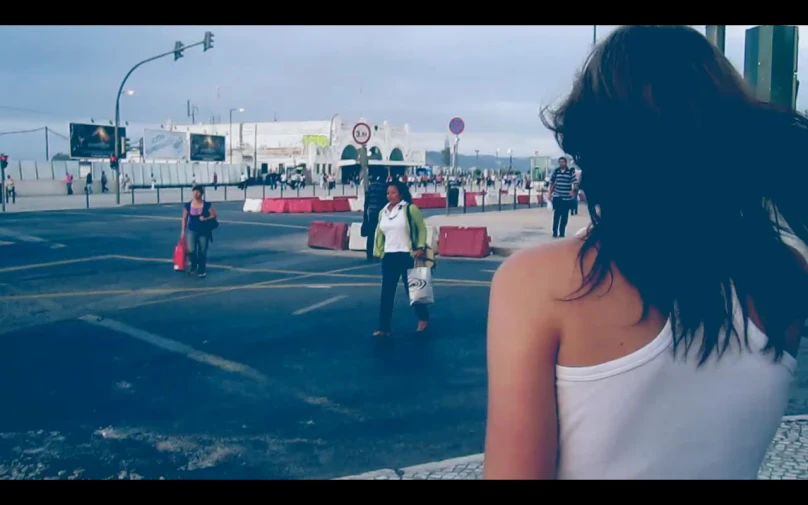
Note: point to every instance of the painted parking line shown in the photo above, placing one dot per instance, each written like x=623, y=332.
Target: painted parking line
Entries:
x=59, y=263
x=339, y=273
x=249, y=286
x=199, y=291
x=318, y=305
x=218, y=362
x=21, y=236
x=151, y=217
x=176, y=347
x=30, y=239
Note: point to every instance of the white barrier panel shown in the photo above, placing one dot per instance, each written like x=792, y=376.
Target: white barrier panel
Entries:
x=357, y=204
x=356, y=242
x=432, y=234
x=252, y=205
x=478, y=199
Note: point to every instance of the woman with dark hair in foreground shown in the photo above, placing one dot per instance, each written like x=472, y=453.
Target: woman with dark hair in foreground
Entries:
x=661, y=343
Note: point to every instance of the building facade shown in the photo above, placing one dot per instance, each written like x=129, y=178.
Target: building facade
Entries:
x=314, y=147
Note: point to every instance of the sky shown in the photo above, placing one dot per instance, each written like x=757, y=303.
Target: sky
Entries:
x=495, y=77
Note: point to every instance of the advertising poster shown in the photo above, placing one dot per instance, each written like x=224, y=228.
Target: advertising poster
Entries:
x=165, y=145
x=207, y=147
x=94, y=141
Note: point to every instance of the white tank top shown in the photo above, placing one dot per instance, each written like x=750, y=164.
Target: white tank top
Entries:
x=650, y=416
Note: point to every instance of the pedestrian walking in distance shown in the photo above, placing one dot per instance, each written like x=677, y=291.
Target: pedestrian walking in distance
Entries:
x=400, y=242
x=375, y=200
x=564, y=192
x=661, y=343
x=198, y=217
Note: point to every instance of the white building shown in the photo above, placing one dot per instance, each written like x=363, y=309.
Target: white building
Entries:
x=322, y=146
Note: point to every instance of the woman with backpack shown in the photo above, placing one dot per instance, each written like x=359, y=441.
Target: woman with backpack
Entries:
x=198, y=223
x=400, y=243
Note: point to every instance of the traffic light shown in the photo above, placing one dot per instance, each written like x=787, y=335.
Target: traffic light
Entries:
x=178, y=47
x=208, y=42
x=124, y=146
x=113, y=162
x=3, y=161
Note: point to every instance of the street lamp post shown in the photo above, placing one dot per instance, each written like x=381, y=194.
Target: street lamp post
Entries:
x=177, y=52
x=594, y=35
x=237, y=109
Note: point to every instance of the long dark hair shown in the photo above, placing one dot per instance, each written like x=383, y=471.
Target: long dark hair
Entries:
x=403, y=190
x=685, y=167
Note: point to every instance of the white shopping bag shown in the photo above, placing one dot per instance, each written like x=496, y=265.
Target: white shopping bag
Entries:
x=550, y=204
x=419, y=284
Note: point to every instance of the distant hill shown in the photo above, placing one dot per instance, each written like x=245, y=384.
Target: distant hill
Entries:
x=435, y=158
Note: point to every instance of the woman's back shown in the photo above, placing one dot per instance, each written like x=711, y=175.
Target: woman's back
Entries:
x=661, y=343
x=631, y=408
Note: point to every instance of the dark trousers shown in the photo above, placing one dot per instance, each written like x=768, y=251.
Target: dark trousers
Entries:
x=370, y=226
x=197, y=250
x=394, y=267
x=561, y=213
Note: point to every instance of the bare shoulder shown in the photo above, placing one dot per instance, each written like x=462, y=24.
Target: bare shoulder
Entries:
x=547, y=269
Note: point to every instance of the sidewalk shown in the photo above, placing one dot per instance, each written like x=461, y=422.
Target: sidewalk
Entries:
x=514, y=229
x=787, y=459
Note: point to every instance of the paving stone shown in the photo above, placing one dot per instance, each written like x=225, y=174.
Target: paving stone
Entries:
x=787, y=459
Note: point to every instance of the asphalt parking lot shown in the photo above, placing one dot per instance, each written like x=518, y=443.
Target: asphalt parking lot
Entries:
x=114, y=366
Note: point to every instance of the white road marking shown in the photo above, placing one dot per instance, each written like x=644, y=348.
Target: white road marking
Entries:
x=176, y=347
x=6, y=243
x=21, y=237
x=26, y=238
x=318, y=305
x=319, y=287
x=216, y=361
x=490, y=271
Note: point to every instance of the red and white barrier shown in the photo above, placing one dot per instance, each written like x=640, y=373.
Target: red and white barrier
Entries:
x=328, y=235
x=471, y=242
x=306, y=205
x=252, y=205
x=356, y=242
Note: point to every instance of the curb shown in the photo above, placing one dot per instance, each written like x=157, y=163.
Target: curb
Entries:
x=503, y=251
x=428, y=467
x=398, y=474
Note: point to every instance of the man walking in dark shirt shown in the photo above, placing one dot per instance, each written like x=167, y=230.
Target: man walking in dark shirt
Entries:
x=563, y=188
x=375, y=200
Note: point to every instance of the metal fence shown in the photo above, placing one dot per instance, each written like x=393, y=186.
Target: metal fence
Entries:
x=166, y=174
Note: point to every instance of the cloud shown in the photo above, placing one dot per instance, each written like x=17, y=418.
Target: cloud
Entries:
x=495, y=77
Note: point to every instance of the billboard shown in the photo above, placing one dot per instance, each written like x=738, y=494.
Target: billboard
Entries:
x=207, y=147
x=94, y=141
x=164, y=145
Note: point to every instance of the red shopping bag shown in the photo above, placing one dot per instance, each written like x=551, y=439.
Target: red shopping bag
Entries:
x=179, y=255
